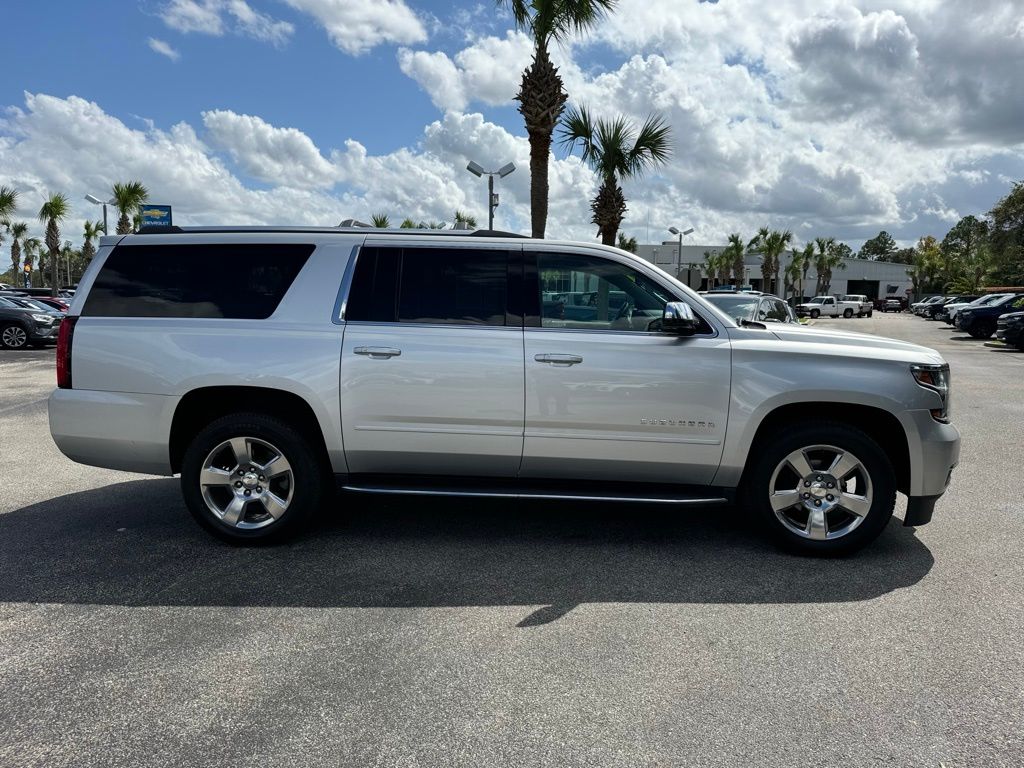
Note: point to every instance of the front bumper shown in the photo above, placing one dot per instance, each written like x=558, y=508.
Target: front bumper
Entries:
x=934, y=454
x=41, y=333
x=1011, y=334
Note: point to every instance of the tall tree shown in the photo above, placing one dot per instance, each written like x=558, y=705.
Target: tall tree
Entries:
x=128, y=196
x=541, y=94
x=52, y=213
x=1007, y=238
x=964, y=251
x=881, y=247
x=617, y=152
x=926, y=267
x=842, y=250
x=91, y=230
x=826, y=258
x=18, y=231
x=796, y=269
x=771, y=244
x=712, y=262
x=736, y=253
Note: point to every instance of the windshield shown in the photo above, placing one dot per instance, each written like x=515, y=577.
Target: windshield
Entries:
x=734, y=306
x=817, y=300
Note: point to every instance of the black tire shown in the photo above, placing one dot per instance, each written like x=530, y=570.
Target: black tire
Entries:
x=310, y=476
x=815, y=314
x=847, y=313
x=869, y=312
x=13, y=336
x=981, y=330
x=769, y=454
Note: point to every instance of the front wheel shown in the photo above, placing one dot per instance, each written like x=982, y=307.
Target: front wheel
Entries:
x=815, y=314
x=981, y=330
x=251, y=478
x=847, y=313
x=821, y=489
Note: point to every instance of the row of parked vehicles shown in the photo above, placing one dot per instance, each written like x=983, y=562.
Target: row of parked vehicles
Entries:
x=1001, y=314
x=30, y=317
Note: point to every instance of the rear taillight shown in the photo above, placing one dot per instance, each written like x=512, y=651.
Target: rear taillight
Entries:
x=64, y=338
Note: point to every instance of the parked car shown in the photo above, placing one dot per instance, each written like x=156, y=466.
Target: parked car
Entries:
x=921, y=307
x=31, y=302
x=949, y=311
x=866, y=307
x=418, y=362
x=61, y=305
x=22, y=326
x=981, y=321
x=935, y=310
x=828, y=306
x=915, y=305
x=892, y=305
x=1010, y=329
x=751, y=306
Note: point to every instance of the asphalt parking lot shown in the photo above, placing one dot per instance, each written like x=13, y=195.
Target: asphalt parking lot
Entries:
x=496, y=634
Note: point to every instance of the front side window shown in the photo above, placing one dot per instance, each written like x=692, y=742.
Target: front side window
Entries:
x=590, y=293
x=438, y=286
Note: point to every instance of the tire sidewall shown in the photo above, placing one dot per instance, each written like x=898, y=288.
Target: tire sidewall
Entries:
x=815, y=314
x=308, y=473
x=843, y=436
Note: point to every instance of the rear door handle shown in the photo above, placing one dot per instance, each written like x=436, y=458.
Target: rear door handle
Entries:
x=559, y=360
x=378, y=353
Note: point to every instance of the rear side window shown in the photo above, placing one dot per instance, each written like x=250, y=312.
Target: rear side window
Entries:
x=236, y=281
x=456, y=286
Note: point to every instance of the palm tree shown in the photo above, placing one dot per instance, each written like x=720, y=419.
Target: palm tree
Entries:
x=30, y=247
x=771, y=244
x=627, y=243
x=128, y=197
x=465, y=218
x=541, y=96
x=734, y=254
x=825, y=261
x=8, y=204
x=53, y=212
x=90, y=230
x=711, y=261
x=18, y=231
x=616, y=152
x=407, y=223
x=380, y=220
x=797, y=268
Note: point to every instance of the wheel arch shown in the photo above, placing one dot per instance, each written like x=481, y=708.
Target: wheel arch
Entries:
x=200, y=407
x=881, y=425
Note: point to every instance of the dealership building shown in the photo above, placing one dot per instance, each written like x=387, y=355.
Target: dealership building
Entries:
x=875, y=279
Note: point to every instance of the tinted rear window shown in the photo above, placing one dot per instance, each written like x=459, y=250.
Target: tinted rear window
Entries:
x=457, y=286
x=237, y=281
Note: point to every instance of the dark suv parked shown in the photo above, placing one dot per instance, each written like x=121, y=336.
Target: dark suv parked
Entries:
x=937, y=310
x=21, y=326
x=980, y=321
x=1010, y=329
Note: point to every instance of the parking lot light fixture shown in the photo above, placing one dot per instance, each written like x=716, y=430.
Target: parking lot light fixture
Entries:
x=96, y=201
x=492, y=199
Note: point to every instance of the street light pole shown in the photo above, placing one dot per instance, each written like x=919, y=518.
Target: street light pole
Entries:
x=679, y=251
x=492, y=199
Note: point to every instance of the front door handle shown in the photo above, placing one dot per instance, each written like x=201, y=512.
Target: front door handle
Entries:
x=378, y=353
x=559, y=360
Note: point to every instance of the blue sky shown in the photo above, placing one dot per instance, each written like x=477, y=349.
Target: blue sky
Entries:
x=829, y=119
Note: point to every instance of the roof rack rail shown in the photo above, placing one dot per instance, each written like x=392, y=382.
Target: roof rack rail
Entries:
x=496, y=233
x=160, y=229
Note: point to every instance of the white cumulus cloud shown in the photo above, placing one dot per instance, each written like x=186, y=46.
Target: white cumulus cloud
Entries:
x=163, y=48
x=215, y=17
x=356, y=26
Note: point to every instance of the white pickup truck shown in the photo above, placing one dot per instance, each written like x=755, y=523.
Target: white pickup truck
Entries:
x=828, y=305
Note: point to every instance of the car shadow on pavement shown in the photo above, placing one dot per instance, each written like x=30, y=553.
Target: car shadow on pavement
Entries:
x=134, y=544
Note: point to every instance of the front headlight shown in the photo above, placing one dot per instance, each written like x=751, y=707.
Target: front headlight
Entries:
x=45, y=319
x=936, y=378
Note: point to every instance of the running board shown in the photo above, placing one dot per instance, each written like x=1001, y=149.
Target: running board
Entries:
x=544, y=495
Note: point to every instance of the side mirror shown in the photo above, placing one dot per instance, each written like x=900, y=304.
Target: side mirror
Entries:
x=678, y=319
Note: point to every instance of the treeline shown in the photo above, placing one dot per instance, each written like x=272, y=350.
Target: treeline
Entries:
x=49, y=259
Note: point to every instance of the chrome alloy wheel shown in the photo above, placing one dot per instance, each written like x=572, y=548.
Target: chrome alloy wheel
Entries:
x=246, y=483
x=820, y=492
x=15, y=337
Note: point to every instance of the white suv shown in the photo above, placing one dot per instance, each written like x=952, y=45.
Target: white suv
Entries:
x=263, y=364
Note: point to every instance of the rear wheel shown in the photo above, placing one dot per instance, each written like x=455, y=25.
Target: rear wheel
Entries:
x=251, y=478
x=13, y=336
x=821, y=489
